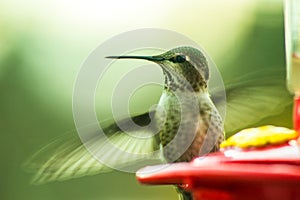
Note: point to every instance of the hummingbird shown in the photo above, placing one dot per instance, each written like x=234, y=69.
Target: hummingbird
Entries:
x=184, y=102
x=181, y=123
x=184, y=125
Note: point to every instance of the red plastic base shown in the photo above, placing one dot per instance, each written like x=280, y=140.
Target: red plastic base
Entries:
x=272, y=173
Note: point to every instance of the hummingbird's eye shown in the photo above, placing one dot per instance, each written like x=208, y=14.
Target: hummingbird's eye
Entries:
x=178, y=59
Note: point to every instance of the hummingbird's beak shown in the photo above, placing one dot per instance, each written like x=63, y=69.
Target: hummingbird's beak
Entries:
x=150, y=58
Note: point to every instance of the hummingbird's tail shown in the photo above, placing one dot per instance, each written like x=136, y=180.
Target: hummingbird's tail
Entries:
x=184, y=195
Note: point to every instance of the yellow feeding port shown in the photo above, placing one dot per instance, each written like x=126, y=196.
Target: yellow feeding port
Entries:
x=260, y=137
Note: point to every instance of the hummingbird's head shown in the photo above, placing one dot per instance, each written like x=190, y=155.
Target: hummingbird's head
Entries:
x=184, y=68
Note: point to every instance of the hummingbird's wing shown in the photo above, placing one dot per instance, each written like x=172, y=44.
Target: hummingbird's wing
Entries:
x=67, y=157
x=253, y=97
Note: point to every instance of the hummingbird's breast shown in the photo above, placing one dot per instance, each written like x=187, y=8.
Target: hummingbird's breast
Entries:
x=190, y=125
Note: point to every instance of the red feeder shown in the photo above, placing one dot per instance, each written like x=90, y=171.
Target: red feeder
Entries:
x=297, y=113
x=265, y=173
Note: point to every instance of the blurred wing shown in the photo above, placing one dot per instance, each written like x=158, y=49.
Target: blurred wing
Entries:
x=253, y=97
x=68, y=158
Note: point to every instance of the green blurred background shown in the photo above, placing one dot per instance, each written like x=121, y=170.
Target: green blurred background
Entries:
x=43, y=44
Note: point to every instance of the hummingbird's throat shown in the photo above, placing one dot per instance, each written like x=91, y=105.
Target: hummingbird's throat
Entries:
x=175, y=82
